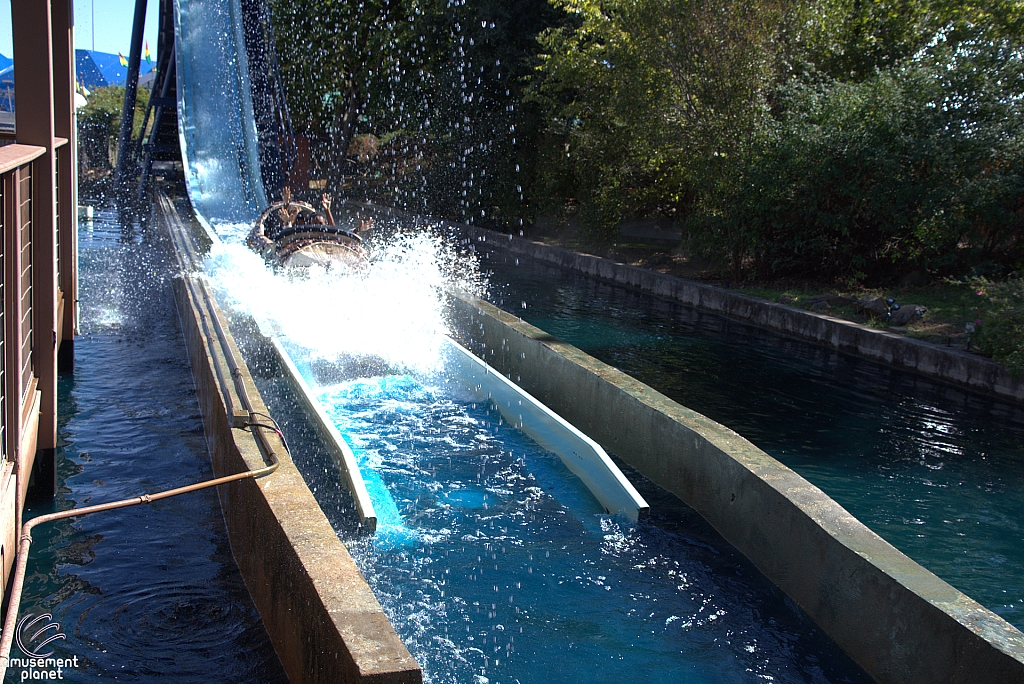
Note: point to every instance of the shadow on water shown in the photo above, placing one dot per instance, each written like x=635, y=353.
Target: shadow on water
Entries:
x=935, y=470
x=148, y=593
x=305, y=446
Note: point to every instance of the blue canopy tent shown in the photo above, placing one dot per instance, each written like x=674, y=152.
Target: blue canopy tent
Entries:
x=101, y=69
x=94, y=70
x=6, y=86
x=6, y=94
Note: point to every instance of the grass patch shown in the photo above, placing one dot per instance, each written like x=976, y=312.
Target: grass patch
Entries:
x=950, y=307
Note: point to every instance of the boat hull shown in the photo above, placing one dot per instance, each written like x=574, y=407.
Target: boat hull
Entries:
x=308, y=244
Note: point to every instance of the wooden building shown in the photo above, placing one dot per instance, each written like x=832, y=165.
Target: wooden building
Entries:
x=38, y=256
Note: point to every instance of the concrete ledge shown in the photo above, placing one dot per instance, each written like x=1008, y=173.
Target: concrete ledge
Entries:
x=896, y=619
x=928, y=359
x=323, y=619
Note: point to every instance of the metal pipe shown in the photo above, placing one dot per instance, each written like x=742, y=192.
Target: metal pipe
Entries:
x=26, y=537
x=236, y=372
x=229, y=405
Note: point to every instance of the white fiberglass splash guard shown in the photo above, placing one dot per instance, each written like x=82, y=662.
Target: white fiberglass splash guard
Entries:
x=393, y=315
x=219, y=143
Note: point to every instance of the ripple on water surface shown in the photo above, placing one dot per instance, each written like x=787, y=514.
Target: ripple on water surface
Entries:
x=493, y=562
x=510, y=571
x=937, y=471
x=150, y=593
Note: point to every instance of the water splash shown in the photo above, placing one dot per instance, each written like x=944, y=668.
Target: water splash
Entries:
x=394, y=312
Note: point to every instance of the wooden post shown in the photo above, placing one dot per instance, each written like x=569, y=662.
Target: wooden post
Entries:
x=64, y=126
x=34, y=122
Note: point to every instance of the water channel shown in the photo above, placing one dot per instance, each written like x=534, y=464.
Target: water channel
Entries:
x=502, y=569
x=502, y=566
x=150, y=593
x=936, y=470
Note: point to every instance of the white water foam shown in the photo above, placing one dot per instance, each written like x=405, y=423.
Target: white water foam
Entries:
x=394, y=311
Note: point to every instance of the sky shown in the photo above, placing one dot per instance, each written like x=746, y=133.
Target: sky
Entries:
x=111, y=32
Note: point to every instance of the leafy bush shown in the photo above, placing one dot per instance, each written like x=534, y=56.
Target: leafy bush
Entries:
x=920, y=166
x=99, y=123
x=1002, y=324
x=646, y=97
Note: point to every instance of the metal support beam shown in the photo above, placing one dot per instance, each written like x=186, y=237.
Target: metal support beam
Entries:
x=131, y=86
x=162, y=101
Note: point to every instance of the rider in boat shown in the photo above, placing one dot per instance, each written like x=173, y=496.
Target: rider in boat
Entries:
x=305, y=237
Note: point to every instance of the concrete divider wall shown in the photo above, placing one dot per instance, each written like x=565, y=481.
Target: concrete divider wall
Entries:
x=898, y=620
x=323, y=619
x=944, y=363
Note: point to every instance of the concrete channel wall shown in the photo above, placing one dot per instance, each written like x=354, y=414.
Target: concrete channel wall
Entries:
x=324, y=621
x=899, y=621
x=944, y=363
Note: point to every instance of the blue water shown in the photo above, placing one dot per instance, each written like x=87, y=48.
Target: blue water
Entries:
x=150, y=593
x=935, y=470
x=572, y=596
x=501, y=568
x=507, y=569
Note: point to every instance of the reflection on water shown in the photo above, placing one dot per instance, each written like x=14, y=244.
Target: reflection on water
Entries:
x=148, y=593
x=937, y=471
x=493, y=562
x=508, y=570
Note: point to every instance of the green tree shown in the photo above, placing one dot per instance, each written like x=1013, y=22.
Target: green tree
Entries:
x=435, y=83
x=99, y=122
x=482, y=135
x=330, y=53
x=852, y=39
x=651, y=100
x=919, y=166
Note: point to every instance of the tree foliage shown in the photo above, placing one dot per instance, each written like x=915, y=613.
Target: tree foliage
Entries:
x=331, y=54
x=99, y=121
x=843, y=138
x=435, y=83
x=647, y=97
x=857, y=139
x=853, y=39
x=915, y=167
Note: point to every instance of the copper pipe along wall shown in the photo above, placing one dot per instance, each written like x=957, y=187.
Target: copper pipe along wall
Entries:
x=10, y=624
x=26, y=538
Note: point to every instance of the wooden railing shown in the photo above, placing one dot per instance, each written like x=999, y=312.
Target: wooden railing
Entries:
x=23, y=247
x=17, y=286
x=61, y=211
x=65, y=223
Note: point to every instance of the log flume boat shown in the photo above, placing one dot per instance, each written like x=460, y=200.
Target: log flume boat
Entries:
x=294, y=234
